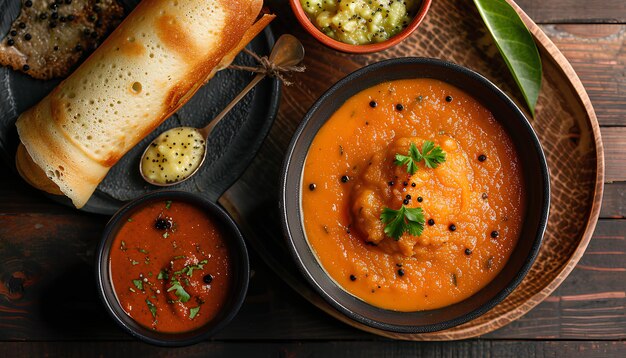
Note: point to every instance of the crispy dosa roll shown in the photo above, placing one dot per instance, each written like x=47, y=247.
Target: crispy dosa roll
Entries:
x=160, y=55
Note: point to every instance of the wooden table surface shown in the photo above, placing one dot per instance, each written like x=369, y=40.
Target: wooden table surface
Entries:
x=48, y=301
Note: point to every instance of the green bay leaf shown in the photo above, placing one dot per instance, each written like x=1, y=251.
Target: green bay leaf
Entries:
x=516, y=45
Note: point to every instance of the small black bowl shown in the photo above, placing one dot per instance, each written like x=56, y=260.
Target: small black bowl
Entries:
x=237, y=251
x=536, y=178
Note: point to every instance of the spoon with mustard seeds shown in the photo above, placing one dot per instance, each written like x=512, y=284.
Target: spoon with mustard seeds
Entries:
x=177, y=154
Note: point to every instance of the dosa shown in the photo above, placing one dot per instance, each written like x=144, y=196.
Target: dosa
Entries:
x=160, y=55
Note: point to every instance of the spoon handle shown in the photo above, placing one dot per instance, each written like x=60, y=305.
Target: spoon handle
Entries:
x=209, y=128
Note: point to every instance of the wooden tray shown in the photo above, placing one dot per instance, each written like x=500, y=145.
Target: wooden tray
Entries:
x=565, y=122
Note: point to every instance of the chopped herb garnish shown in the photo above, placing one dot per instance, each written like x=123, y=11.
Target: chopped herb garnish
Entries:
x=179, y=291
x=162, y=275
x=166, y=235
x=152, y=308
x=188, y=270
x=123, y=246
x=134, y=262
x=180, y=257
x=431, y=155
x=405, y=219
x=138, y=284
x=193, y=312
x=130, y=220
x=143, y=251
x=410, y=160
x=168, y=204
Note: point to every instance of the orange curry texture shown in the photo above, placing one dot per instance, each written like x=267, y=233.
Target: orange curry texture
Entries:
x=170, y=267
x=473, y=202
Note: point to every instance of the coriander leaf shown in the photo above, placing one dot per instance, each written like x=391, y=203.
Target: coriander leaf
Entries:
x=152, y=308
x=410, y=160
x=415, y=220
x=138, y=284
x=162, y=275
x=180, y=292
x=397, y=222
x=168, y=204
x=190, y=268
x=193, y=312
x=433, y=155
x=516, y=46
x=166, y=235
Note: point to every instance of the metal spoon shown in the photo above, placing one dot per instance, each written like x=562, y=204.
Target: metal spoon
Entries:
x=288, y=51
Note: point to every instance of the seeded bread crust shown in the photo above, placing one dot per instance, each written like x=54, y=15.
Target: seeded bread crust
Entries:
x=49, y=37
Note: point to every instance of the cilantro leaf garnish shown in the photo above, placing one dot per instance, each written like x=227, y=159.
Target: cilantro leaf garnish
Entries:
x=162, y=275
x=193, y=312
x=188, y=270
x=405, y=219
x=138, y=284
x=431, y=155
x=179, y=291
x=410, y=160
x=152, y=308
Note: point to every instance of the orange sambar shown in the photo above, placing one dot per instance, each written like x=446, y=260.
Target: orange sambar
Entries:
x=473, y=203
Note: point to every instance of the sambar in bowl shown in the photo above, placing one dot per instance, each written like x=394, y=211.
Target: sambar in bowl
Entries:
x=415, y=195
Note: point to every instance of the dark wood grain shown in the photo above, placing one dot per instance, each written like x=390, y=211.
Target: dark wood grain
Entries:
x=598, y=55
x=47, y=291
x=575, y=11
x=614, y=202
x=463, y=349
x=615, y=153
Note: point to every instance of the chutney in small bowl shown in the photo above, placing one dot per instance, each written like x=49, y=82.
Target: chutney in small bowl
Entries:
x=172, y=268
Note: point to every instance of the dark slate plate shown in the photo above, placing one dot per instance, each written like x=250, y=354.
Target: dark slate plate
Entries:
x=230, y=148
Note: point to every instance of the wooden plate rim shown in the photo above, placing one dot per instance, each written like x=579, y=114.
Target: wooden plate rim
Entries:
x=467, y=330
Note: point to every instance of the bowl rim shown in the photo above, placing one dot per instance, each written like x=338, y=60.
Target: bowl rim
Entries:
x=297, y=256
x=304, y=20
x=237, y=246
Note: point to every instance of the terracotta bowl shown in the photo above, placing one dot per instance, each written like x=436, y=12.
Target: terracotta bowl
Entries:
x=536, y=178
x=344, y=47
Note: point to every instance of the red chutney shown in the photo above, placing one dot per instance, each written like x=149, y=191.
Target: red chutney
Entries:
x=170, y=267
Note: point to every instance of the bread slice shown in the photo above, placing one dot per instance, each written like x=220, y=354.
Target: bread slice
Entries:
x=47, y=40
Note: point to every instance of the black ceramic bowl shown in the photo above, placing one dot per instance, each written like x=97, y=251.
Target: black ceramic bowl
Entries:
x=536, y=179
x=237, y=251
